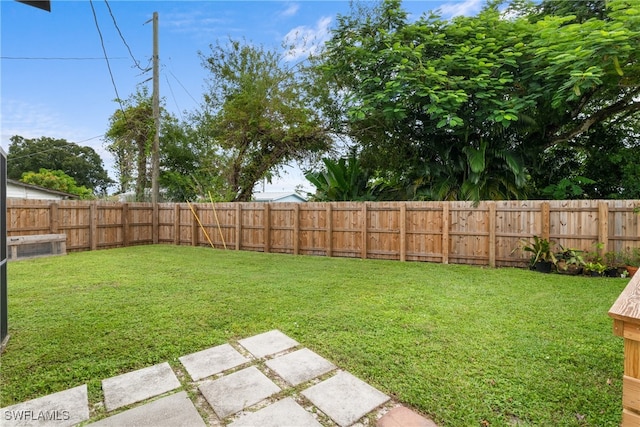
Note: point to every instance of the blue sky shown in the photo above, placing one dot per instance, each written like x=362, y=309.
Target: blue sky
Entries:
x=70, y=94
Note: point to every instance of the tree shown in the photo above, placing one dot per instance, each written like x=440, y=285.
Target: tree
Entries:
x=257, y=114
x=82, y=164
x=56, y=180
x=130, y=135
x=462, y=108
x=192, y=166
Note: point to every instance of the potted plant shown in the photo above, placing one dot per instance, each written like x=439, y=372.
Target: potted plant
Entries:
x=542, y=255
x=632, y=260
x=595, y=268
x=615, y=264
x=569, y=261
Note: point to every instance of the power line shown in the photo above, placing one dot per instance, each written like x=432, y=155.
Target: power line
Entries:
x=54, y=58
x=135, y=61
x=106, y=57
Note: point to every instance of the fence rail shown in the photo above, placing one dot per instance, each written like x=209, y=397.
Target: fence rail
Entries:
x=446, y=232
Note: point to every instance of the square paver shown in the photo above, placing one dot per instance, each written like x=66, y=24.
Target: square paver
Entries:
x=62, y=409
x=285, y=412
x=300, y=366
x=138, y=385
x=234, y=392
x=176, y=410
x=268, y=343
x=345, y=398
x=212, y=361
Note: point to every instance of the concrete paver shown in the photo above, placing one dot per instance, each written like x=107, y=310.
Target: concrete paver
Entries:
x=212, y=361
x=62, y=409
x=285, y=412
x=401, y=416
x=138, y=385
x=342, y=397
x=268, y=343
x=300, y=366
x=175, y=410
x=234, y=392
x=345, y=398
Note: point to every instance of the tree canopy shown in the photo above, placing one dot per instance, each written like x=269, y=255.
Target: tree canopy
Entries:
x=469, y=108
x=82, y=164
x=257, y=114
x=56, y=180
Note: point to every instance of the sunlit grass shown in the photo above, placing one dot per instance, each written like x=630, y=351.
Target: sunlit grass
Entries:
x=461, y=344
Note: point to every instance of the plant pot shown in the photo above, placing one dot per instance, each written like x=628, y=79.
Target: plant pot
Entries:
x=570, y=269
x=612, y=272
x=631, y=270
x=595, y=274
x=543, y=266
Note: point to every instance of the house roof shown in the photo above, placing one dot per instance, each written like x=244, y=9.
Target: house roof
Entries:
x=26, y=186
x=278, y=196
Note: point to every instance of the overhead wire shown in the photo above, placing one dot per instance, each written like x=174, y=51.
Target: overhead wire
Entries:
x=115, y=23
x=106, y=57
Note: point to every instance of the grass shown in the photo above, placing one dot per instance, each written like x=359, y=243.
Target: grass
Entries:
x=467, y=346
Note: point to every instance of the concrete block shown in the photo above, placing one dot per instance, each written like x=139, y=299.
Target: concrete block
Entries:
x=62, y=409
x=300, y=366
x=345, y=398
x=138, y=385
x=234, y=392
x=176, y=410
x=285, y=412
x=268, y=343
x=212, y=361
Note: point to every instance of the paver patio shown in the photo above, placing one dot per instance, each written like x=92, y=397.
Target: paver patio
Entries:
x=241, y=392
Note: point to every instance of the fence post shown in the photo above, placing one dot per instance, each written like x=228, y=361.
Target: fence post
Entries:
x=54, y=221
x=545, y=211
x=176, y=224
x=267, y=227
x=445, y=233
x=93, y=226
x=492, y=234
x=296, y=229
x=238, y=225
x=603, y=227
x=403, y=231
x=329, y=227
x=364, y=230
x=155, y=229
x=125, y=224
x=625, y=313
x=194, y=226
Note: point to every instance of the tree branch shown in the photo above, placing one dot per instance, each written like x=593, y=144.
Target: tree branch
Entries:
x=625, y=105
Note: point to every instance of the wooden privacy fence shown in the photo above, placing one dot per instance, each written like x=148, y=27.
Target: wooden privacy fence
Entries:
x=445, y=232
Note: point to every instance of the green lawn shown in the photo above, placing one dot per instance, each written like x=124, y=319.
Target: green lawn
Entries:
x=464, y=345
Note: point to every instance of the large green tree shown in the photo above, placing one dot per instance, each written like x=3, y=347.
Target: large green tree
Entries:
x=81, y=163
x=462, y=108
x=129, y=138
x=56, y=180
x=257, y=112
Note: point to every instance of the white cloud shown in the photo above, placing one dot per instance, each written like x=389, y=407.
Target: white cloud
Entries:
x=291, y=10
x=303, y=41
x=465, y=8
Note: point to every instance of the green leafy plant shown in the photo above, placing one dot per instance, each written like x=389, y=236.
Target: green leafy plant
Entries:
x=631, y=257
x=595, y=267
x=569, y=260
x=541, y=250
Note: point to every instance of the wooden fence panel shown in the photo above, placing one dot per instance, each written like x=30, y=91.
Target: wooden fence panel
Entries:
x=458, y=232
x=313, y=224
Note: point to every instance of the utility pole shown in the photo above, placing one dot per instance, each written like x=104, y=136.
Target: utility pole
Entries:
x=155, y=151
